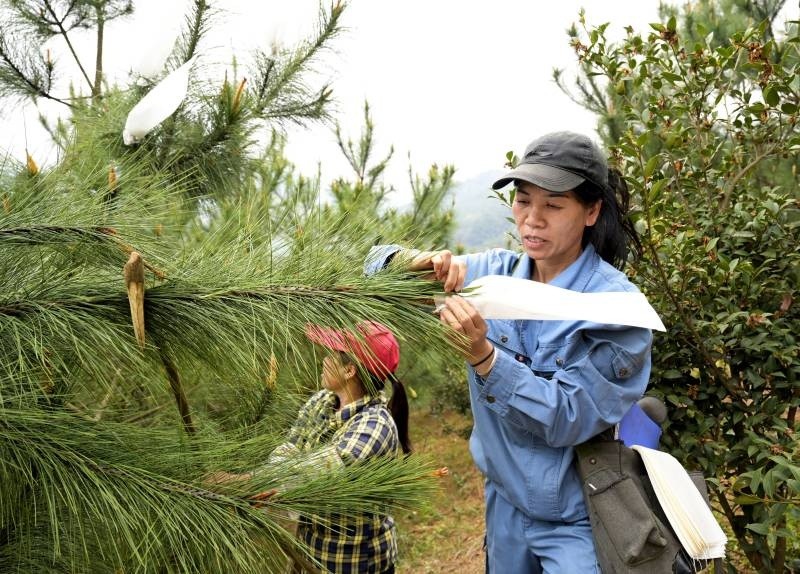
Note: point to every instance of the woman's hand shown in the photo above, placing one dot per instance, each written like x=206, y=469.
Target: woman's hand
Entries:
x=463, y=318
x=446, y=268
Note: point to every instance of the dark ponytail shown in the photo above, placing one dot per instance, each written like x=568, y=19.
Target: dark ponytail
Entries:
x=613, y=235
x=398, y=406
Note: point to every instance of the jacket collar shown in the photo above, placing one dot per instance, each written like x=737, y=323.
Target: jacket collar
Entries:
x=349, y=410
x=575, y=277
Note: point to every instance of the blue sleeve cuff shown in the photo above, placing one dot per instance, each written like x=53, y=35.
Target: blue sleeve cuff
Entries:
x=496, y=388
x=379, y=257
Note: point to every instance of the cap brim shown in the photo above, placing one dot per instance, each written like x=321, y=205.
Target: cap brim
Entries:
x=347, y=342
x=329, y=338
x=545, y=176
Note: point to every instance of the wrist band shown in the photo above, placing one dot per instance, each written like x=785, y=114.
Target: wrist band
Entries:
x=489, y=368
x=486, y=358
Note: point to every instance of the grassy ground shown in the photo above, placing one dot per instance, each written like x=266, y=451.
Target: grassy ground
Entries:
x=447, y=536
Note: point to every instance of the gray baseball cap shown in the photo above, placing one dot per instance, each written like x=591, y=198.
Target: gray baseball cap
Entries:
x=559, y=161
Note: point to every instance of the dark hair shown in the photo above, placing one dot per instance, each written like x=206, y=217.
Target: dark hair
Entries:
x=398, y=407
x=398, y=403
x=613, y=234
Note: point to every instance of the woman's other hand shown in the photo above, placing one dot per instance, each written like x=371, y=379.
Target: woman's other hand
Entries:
x=463, y=318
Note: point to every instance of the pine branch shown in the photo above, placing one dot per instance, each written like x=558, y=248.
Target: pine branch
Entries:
x=197, y=24
x=153, y=519
x=59, y=24
x=281, y=94
x=60, y=235
x=75, y=469
x=216, y=313
x=25, y=76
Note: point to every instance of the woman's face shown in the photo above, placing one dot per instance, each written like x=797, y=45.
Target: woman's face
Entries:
x=334, y=374
x=551, y=226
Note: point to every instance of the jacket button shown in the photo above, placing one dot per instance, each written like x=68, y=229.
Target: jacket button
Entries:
x=490, y=398
x=623, y=372
x=560, y=362
x=503, y=339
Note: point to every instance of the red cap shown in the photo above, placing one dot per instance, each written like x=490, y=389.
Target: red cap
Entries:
x=376, y=348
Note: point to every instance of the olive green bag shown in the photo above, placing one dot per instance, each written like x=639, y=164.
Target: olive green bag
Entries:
x=631, y=533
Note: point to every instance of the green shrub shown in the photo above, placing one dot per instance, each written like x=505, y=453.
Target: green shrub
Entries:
x=707, y=137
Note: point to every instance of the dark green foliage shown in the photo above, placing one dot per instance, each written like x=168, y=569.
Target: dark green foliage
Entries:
x=707, y=135
x=452, y=391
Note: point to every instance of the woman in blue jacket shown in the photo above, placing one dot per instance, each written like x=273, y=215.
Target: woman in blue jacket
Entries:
x=538, y=388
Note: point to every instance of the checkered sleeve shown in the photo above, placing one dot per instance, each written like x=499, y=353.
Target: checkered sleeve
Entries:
x=371, y=433
x=367, y=542
x=305, y=425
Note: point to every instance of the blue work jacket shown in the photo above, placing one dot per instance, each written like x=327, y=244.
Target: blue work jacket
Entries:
x=554, y=385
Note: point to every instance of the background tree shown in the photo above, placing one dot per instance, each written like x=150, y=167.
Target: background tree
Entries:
x=427, y=223
x=705, y=127
x=356, y=215
x=154, y=300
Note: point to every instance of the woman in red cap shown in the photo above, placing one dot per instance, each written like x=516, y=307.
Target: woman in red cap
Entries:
x=350, y=420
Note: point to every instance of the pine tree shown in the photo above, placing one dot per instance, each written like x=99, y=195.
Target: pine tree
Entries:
x=152, y=315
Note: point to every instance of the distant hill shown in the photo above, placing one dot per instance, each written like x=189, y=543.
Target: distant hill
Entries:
x=481, y=218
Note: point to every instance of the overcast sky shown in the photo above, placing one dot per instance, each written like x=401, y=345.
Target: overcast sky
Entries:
x=448, y=81
x=455, y=81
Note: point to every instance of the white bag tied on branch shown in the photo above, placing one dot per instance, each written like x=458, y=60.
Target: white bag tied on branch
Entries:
x=157, y=105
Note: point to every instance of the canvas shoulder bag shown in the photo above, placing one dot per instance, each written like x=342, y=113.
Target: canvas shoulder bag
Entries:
x=631, y=532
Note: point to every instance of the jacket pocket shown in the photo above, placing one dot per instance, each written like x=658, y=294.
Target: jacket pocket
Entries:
x=624, y=517
x=504, y=335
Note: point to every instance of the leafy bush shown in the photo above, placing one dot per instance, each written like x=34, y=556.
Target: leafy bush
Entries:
x=451, y=392
x=707, y=138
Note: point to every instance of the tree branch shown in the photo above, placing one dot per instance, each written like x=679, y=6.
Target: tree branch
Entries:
x=177, y=392
x=98, y=65
x=65, y=34
x=37, y=90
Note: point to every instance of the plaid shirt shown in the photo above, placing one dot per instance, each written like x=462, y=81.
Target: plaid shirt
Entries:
x=360, y=430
